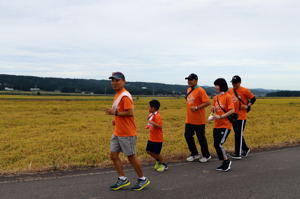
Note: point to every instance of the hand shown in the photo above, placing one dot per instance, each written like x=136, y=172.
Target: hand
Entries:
x=153, y=124
x=110, y=111
x=245, y=107
x=150, y=122
x=113, y=123
x=194, y=108
x=217, y=116
x=211, y=117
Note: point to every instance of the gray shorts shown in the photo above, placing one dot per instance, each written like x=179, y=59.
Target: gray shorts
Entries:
x=127, y=145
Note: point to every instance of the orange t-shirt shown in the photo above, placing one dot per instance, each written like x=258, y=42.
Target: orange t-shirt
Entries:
x=196, y=98
x=156, y=134
x=226, y=103
x=245, y=95
x=124, y=126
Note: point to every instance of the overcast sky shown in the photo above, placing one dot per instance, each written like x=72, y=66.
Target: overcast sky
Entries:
x=154, y=40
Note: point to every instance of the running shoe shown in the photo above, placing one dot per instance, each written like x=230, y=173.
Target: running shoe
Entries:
x=193, y=158
x=204, y=159
x=140, y=185
x=120, y=184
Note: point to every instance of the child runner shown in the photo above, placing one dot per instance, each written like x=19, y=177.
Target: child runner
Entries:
x=156, y=136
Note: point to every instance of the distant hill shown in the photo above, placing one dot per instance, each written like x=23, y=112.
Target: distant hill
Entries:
x=27, y=83
x=262, y=92
x=284, y=94
x=65, y=85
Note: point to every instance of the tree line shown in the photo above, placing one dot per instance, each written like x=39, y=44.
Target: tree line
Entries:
x=66, y=85
x=26, y=83
x=284, y=94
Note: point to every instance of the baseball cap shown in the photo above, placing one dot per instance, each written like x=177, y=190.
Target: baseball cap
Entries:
x=117, y=75
x=236, y=79
x=192, y=76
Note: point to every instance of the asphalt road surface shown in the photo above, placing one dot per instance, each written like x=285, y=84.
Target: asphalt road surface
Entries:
x=271, y=174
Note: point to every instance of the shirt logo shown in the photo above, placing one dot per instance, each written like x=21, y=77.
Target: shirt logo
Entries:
x=190, y=99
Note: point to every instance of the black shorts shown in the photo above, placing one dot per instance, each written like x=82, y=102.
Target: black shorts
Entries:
x=154, y=147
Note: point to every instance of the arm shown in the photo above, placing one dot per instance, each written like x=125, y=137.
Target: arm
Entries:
x=252, y=101
x=126, y=113
x=155, y=124
x=196, y=108
x=225, y=115
x=127, y=106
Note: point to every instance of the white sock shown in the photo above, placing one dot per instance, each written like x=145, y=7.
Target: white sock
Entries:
x=143, y=178
x=122, y=177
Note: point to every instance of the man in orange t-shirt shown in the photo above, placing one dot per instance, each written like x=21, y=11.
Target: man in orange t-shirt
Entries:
x=243, y=99
x=124, y=136
x=196, y=102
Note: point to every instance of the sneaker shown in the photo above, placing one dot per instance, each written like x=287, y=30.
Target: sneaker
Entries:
x=156, y=165
x=234, y=156
x=204, y=159
x=120, y=184
x=162, y=167
x=246, y=153
x=140, y=185
x=220, y=168
x=192, y=158
x=226, y=165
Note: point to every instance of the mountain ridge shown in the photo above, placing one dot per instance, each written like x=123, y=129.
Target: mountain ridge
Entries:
x=74, y=85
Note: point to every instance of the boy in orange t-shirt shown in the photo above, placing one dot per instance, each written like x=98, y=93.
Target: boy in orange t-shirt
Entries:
x=155, y=141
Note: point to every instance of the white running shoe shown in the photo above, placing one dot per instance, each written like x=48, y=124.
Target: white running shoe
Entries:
x=192, y=158
x=204, y=159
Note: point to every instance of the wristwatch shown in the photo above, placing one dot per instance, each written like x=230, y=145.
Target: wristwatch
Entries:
x=116, y=113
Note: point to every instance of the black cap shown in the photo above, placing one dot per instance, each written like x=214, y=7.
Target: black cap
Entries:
x=236, y=79
x=192, y=76
x=117, y=75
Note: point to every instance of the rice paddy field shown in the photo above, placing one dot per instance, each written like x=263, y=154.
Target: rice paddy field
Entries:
x=40, y=133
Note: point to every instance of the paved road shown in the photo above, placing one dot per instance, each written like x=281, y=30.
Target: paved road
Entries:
x=271, y=174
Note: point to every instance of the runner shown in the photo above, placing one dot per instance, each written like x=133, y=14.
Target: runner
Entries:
x=196, y=102
x=124, y=136
x=222, y=108
x=155, y=141
x=243, y=99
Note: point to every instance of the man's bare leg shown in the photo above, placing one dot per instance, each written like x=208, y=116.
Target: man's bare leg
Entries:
x=136, y=165
x=114, y=156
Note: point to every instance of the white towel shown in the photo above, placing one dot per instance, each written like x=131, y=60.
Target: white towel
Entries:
x=118, y=100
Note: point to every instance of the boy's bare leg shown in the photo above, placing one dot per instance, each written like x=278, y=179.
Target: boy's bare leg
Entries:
x=136, y=165
x=114, y=156
x=156, y=156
